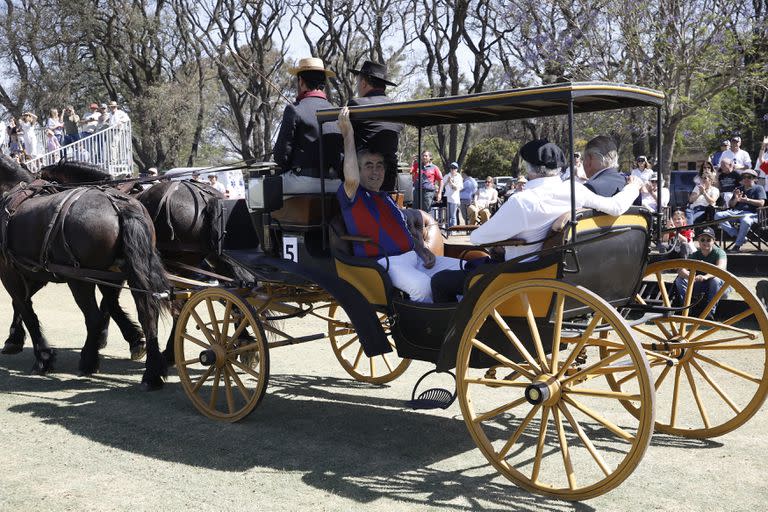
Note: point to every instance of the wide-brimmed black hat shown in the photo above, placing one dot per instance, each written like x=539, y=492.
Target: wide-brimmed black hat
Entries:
x=541, y=152
x=374, y=70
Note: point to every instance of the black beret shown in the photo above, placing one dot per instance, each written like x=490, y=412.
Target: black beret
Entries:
x=541, y=152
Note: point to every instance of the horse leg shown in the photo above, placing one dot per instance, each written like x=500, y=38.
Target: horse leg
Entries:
x=21, y=291
x=156, y=368
x=96, y=322
x=16, y=334
x=128, y=328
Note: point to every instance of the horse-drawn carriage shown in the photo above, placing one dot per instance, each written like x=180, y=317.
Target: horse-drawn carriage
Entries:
x=565, y=362
x=564, y=365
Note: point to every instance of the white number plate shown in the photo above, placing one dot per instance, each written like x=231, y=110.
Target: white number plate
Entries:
x=291, y=248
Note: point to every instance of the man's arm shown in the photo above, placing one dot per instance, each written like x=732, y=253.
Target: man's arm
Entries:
x=509, y=221
x=614, y=205
x=351, y=170
x=283, y=149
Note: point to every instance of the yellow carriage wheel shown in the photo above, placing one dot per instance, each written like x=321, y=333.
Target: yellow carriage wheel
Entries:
x=710, y=371
x=221, y=355
x=544, y=415
x=349, y=351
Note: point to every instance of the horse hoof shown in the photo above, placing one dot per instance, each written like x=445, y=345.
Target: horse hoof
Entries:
x=40, y=369
x=11, y=348
x=138, y=350
x=150, y=386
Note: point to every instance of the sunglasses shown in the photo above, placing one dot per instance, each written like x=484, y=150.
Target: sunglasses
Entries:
x=706, y=240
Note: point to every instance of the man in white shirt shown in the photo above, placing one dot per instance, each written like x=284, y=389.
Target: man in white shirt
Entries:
x=741, y=158
x=117, y=117
x=529, y=214
x=213, y=180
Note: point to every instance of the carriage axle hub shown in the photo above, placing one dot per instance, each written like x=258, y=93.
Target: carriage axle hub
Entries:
x=544, y=391
x=216, y=355
x=208, y=357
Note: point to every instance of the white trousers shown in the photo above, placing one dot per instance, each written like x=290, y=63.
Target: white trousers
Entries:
x=409, y=274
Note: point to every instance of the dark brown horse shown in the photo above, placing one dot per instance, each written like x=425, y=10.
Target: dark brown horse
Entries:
x=78, y=236
x=188, y=222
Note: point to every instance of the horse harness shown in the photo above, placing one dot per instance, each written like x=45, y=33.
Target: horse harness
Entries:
x=196, y=190
x=10, y=204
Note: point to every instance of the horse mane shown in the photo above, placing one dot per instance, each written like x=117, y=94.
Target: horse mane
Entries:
x=14, y=172
x=74, y=172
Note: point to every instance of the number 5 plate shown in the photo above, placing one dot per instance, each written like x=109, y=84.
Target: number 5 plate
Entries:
x=291, y=248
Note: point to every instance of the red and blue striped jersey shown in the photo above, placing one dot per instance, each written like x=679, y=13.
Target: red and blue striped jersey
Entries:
x=376, y=216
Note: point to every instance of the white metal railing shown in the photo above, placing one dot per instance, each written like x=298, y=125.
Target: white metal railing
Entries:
x=109, y=148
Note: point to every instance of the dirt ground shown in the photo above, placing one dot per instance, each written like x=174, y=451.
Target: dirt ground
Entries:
x=318, y=441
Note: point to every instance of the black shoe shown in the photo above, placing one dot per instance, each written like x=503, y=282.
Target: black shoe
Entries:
x=736, y=248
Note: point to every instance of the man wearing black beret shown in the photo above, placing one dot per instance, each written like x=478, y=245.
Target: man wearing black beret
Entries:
x=529, y=214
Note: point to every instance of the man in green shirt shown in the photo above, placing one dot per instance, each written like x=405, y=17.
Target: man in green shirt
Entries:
x=705, y=284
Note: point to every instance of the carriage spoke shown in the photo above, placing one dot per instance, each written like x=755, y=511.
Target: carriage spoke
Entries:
x=658, y=323
x=515, y=341
x=675, y=396
x=196, y=341
x=358, y=358
x=240, y=328
x=585, y=439
x=558, y=421
x=749, y=346
x=540, y=443
x=722, y=325
x=203, y=327
x=728, y=368
x=228, y=391
x=387, y=363
x=714, y=386
x=202, y=379
x=253, y=373
x=656, y=337
x=499, y=410
x=599, y=364
x=600, y=419
x=501, y=358
x=627, y=377
x=188, y=362
x=662, y=376
x=349, y=343
x=214, y=320
x=245, y=348
x=497, y=383
x=579, y=345
x=372, y=366
x=239, y=383
x=518, y=432
x=601, y=393
x=534, y=330
x=695, y=391
x=559, y=306
x=663, y=290
x=227, y=318
x=215, y=389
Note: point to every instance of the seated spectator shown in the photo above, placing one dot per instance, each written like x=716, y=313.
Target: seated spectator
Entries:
x=370, y=212
x=480, y=210
x=727, y=180
x=519, y=186
x=649, y=193
x=705, y=284
x=744, y=203
x=705, y=166
x=702, y=197
x=678, y=243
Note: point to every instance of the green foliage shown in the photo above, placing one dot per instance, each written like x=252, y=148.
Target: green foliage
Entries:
x=491, y=157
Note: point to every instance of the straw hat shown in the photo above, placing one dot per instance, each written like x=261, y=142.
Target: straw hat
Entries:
x=311, y=64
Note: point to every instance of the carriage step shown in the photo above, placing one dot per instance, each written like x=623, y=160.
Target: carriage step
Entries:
x=433, y=398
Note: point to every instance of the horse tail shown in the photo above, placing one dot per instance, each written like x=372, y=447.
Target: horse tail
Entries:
x=143, y=267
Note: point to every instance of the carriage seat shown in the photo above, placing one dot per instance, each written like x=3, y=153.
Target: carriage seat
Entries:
x=305, y=211
x=364, y=273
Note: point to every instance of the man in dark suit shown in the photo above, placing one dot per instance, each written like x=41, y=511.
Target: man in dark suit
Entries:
x=297, y=149
x=601, y=165
x=379, y=136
